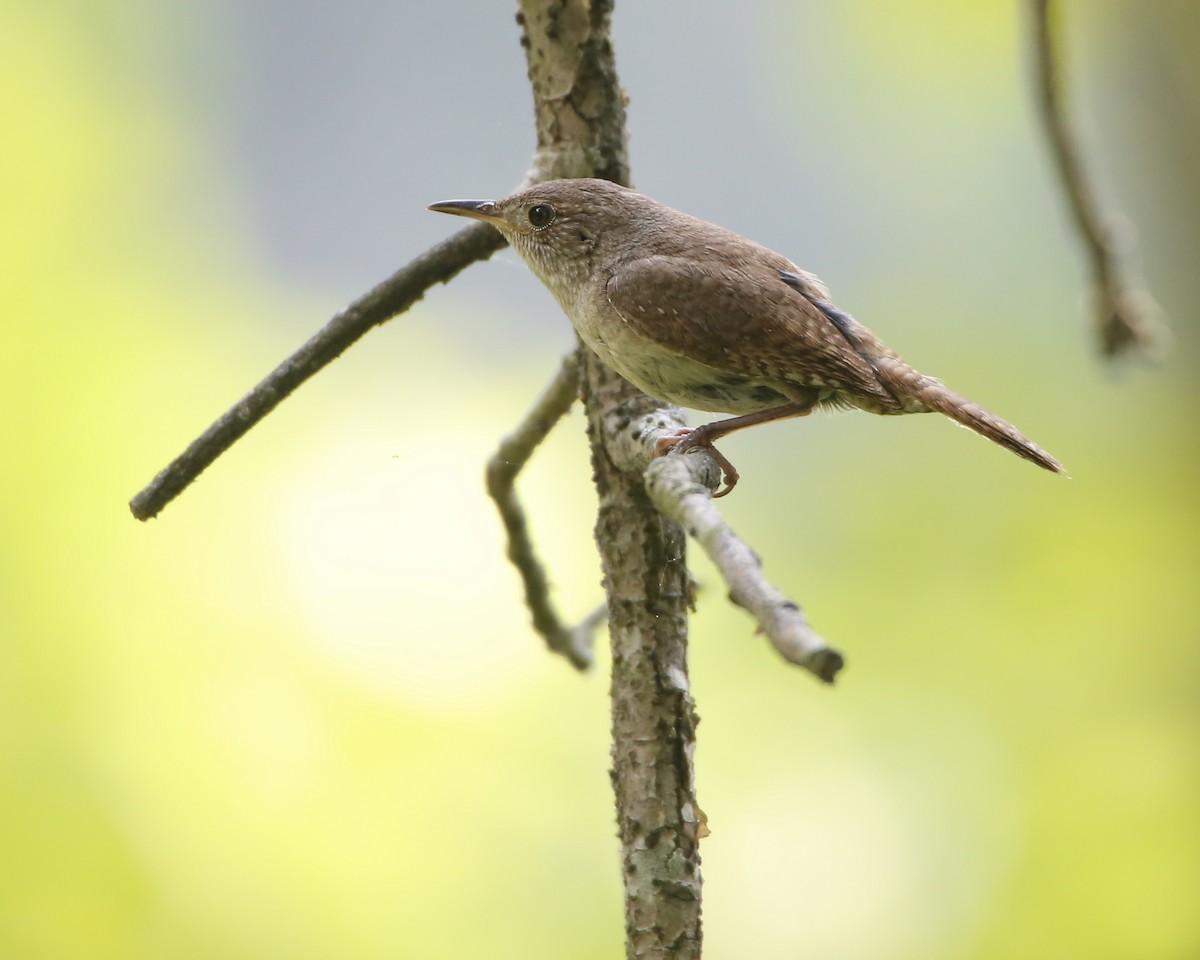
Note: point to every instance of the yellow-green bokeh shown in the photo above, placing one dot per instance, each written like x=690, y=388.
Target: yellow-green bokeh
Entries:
x=301, y=714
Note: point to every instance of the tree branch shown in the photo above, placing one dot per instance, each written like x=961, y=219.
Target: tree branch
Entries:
x=1125, y=316
x=677, y=491
x=575, y=643
x=681, y=487
x=391, y=297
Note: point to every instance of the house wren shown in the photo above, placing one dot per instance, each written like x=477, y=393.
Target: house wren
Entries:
x=698, y=316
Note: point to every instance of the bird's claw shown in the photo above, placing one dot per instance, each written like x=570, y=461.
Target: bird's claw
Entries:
x=684, y=440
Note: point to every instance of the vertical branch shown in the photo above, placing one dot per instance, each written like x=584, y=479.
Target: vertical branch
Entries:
x=653, y=715
x=579, y=107
x=1124, y=315
x=580, y=115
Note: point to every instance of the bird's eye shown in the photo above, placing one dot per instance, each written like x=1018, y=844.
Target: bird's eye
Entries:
x=541, y=215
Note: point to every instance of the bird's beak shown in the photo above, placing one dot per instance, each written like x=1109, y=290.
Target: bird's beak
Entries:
x=484, y=210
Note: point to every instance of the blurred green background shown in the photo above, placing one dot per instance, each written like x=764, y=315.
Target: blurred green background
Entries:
x=301, y=714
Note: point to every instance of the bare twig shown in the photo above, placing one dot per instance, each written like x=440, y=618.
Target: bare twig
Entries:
x=1125, y=316
x=676, y=491
x=393, y=296
x=575, y=643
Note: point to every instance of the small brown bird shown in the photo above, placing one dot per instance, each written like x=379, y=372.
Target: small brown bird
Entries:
x=696, y=315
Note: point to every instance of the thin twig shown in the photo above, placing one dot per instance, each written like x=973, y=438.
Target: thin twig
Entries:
x=575, y=643
x=681, y=488
x=1125, y=315
x=393, y=296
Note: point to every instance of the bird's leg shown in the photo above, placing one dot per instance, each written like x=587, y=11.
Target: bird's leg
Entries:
x=706, y=434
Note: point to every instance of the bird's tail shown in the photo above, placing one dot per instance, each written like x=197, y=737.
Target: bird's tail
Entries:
x=972, y=416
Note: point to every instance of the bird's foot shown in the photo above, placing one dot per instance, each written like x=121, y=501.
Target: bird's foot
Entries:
x=685, y=440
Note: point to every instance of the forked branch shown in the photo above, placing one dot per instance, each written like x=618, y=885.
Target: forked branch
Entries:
x=681, y=488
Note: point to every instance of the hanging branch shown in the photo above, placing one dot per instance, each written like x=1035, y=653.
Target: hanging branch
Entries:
x=1125, y=316
x=573, y=642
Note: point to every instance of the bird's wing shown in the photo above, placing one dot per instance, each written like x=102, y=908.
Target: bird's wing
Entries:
x=765, y=323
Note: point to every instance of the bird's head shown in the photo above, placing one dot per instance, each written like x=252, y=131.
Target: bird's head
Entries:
x=558, y=226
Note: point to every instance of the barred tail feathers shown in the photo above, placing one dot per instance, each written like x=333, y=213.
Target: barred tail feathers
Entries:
x=972, y=416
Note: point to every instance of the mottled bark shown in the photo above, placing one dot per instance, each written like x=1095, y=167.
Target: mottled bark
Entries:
x=653, y=717
x=580, y=111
